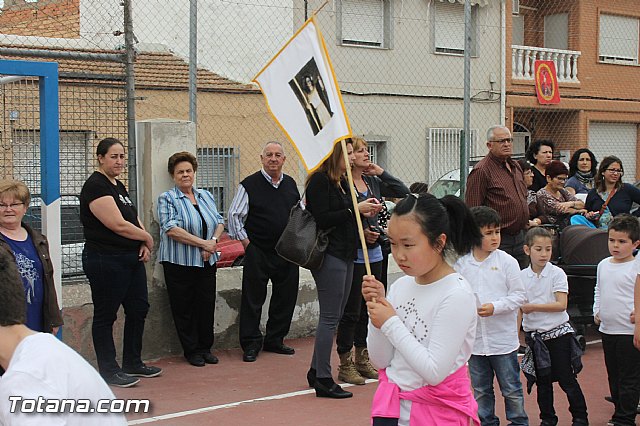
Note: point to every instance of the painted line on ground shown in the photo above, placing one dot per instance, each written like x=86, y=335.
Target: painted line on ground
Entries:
x=230, y=405
x=249, y=401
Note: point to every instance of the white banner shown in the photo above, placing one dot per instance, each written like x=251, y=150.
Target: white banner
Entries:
x=302, y=94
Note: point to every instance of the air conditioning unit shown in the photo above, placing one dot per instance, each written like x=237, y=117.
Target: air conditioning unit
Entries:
x=515, y=7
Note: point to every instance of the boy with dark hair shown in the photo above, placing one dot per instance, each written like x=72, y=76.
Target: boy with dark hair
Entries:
x=612, y=310
x=495, y=279
x=40, y=367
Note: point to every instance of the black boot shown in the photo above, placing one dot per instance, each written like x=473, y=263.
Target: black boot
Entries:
x=327, y=388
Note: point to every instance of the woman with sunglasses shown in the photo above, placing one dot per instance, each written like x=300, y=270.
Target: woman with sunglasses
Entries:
x=609, y=186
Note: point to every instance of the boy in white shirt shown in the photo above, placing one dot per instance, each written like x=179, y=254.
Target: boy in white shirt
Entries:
x=43, y=373
x=612, y=309
x=495, y=279
x=553, y=352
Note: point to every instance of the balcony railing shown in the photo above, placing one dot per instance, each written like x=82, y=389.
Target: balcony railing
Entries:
x=524, y=57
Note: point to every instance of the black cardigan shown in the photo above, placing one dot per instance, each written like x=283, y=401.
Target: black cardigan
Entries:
x=332, y=208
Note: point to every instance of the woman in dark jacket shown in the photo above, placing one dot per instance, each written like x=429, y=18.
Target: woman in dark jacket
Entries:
x=329, y=200
x=31, y=251
x=370, y=180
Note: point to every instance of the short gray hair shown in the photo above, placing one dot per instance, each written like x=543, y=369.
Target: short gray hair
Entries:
x=492, y=129
x=270, y=143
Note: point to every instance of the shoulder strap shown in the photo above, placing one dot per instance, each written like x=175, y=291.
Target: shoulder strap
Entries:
x=604, y=206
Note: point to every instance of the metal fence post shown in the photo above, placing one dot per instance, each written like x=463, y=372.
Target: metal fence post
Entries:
x=130, y=55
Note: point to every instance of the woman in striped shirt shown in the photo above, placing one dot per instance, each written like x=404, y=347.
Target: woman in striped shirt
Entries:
x=190, y=226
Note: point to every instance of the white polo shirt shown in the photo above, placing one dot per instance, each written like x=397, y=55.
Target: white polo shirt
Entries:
x=541, y=289
x=495, y=280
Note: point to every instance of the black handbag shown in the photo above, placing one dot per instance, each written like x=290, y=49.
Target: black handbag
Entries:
x=301, y=241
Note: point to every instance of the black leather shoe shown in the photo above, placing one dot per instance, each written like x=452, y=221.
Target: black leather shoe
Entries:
x=279, y=349
x=210, y=358
x=334, y=391
x=609, y=399
x=250, y=355
x=196, y=360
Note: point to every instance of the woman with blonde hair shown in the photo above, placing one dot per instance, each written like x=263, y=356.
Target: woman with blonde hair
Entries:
x=329, y=201
x=30, y=251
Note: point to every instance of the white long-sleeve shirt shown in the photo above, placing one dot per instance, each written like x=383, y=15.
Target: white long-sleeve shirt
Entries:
x=429, y=338
x=495, y=280
x=613, y=297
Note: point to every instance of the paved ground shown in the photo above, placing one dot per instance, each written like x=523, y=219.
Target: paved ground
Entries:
x=272, y=391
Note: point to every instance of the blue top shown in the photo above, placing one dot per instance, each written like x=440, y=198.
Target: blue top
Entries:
x=176, y=209
x=575, y=183
x=32, y=272
x=621, y=201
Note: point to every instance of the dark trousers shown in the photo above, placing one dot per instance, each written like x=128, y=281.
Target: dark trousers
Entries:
x=192, y=295
x=352, y=329
x=560, y=355
x=260, y=266
x=333, y=283
x=116, y=279
x=622, y=360
x=514, y=245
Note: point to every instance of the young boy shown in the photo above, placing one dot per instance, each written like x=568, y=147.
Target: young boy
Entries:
x=44, y=378
x=495, y=279
x=612, y=308
x=553, y=352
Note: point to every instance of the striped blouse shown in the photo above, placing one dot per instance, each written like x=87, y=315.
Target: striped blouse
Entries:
x=176, y=209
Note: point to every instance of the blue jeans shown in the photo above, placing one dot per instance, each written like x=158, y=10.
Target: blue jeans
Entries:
x=116, y=279
x=506, y=370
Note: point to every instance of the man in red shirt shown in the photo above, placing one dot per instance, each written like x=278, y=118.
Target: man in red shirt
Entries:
x=497, y=182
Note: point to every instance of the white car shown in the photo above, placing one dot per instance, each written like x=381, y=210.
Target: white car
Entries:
x=447, y=184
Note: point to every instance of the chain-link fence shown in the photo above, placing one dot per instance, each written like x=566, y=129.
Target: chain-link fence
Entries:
x=399, y=64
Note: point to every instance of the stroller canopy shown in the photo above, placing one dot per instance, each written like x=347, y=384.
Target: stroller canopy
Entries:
x=581, y=245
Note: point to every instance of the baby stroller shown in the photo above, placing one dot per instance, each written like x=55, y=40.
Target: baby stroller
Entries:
x=581, y=249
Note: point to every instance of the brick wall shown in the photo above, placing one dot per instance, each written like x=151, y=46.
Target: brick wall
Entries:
x=50, y=18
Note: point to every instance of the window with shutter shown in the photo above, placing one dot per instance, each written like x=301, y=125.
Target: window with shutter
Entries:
x=363, y=22
x=449, y=28
x=619, y=39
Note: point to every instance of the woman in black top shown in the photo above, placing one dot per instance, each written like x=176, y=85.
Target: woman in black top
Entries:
x=540, y=154
x=329, y=200
x=115, y=250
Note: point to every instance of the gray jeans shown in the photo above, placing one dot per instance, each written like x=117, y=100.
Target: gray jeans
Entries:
x=333, y=283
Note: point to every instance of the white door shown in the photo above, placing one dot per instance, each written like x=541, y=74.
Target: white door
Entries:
x=616, y=139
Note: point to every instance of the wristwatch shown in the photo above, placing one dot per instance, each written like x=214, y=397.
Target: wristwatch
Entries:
x=214, y=238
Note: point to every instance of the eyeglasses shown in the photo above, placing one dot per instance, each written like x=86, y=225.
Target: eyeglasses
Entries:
x=561, y=179
x=503, y=141
x=618, y=171
x=11, y=206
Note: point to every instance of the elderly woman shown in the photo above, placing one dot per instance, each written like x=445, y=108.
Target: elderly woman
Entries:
x=115, y=250
x=31, y=253
x=583, y=167
x=190, y=226
x=540, y=154
x=370, y=180
x=329, y=201
x=611, y=196
x=555, y=204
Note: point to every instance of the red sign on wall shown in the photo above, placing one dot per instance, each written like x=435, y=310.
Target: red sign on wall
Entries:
x=546, y=82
